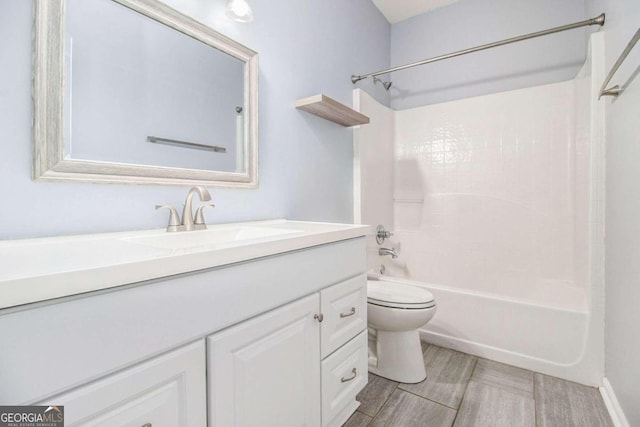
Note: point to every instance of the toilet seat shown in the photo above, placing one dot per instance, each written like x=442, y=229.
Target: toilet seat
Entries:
x=398, y=295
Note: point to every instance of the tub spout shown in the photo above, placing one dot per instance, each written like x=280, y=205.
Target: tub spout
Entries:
x=387, y=251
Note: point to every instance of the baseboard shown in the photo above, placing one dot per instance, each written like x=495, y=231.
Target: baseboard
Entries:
x=612, y=404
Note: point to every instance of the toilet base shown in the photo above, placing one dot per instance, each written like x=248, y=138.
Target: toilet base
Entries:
x=396, y=356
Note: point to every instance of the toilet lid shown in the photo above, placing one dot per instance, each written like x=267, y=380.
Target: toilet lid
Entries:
x=399, y=295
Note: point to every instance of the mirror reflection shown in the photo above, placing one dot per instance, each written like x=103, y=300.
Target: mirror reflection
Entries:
x=141, y=93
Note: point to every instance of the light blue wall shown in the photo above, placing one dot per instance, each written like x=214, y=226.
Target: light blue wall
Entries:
x=622, y=248
x=470, y=23
x=305, y=46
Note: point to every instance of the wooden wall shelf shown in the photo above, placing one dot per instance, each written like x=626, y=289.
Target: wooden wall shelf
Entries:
x=330, y=109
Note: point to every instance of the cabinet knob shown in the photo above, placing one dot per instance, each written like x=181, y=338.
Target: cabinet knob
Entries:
x=147, y=425
x=352, y=377
x=351, y=313
x=319, y=317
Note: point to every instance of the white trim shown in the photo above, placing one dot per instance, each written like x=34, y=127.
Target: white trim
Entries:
x=613, y=406
x=357, y=167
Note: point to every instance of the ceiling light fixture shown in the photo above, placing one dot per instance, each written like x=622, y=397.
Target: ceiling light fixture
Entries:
x=239, y=11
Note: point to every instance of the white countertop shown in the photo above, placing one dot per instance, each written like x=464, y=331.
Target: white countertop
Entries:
x=34, y=270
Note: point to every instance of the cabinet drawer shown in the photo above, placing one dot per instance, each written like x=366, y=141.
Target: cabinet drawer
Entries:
x=344, y=374
x=167, y=391
x=344, y=307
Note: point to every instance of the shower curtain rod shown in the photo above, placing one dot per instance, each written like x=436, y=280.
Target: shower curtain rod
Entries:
x=598, y=20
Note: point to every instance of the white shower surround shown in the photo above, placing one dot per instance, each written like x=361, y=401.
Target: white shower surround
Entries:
x=483, y=193
x=498, y=211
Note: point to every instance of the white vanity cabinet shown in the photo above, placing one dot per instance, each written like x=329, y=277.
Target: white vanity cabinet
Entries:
x=276, y=339
x=166, y=391
x=270, y=370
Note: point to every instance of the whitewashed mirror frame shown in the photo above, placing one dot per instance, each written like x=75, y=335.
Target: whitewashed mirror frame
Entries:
x=49, y=160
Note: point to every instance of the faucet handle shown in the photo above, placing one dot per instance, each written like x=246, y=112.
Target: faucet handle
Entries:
x=174, y=219
x=382, y=234
x=199, y=223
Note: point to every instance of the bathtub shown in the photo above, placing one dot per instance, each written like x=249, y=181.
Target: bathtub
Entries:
x=501, y=217
x=549, y=334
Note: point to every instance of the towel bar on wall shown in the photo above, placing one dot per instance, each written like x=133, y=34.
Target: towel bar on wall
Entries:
x=176, y=143
x=617, y=90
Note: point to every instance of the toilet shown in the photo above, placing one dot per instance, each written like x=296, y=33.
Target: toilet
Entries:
x=395, y=311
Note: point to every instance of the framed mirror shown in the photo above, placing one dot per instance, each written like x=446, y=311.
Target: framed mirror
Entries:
x=133, y=91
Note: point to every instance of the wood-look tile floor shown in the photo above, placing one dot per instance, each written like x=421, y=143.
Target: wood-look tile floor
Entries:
x=464, y=391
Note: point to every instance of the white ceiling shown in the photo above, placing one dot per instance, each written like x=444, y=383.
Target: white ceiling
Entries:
x=399, y=10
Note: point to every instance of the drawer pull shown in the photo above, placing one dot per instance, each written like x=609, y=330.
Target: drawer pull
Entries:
x=351, y=313
x=147, y=425
x=355, y=374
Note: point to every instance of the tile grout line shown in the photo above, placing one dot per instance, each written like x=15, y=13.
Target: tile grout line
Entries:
x=426, y=398
x=370, y=421
x=535, y=401
x=384, y=403
x=465, y=391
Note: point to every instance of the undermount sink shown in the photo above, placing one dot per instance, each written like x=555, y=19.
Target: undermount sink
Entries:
x=211, y=237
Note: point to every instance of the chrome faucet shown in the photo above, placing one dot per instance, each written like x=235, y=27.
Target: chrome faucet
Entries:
x=188, y=222
x=387, y=251
x=187, y=212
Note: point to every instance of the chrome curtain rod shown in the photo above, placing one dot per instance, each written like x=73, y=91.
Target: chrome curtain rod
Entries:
x=598, y=20
x=617, y=90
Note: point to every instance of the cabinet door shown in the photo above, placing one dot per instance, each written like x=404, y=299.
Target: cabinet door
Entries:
x=266, y=371
x=344, y=307
x=167, y=391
